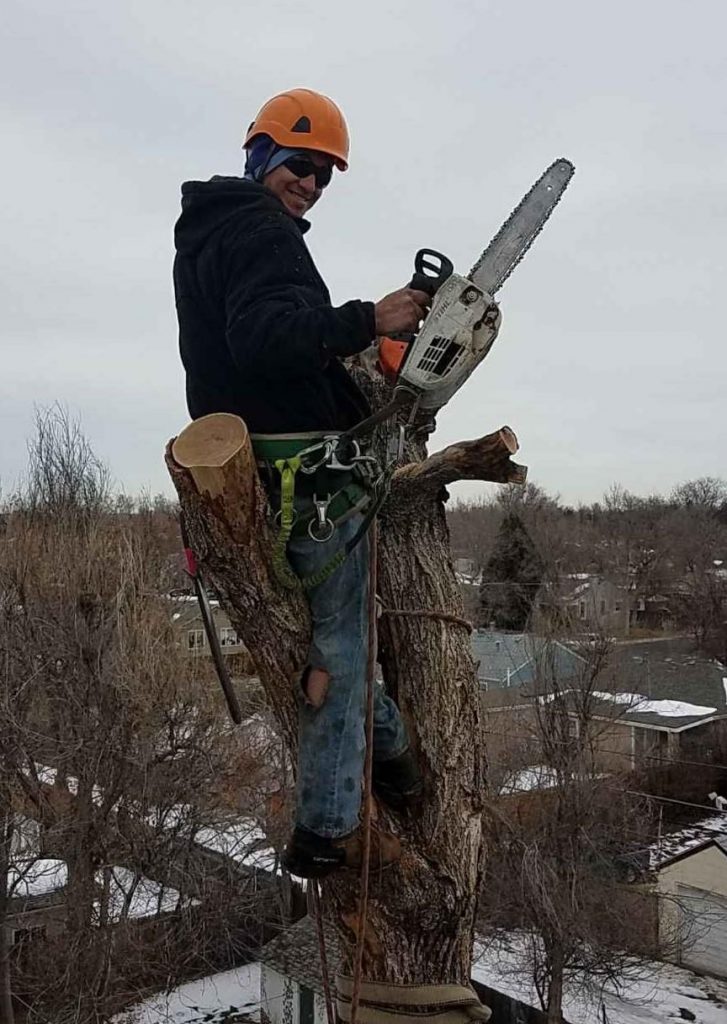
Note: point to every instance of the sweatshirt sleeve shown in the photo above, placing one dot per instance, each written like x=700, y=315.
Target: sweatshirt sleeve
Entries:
x=276, y=309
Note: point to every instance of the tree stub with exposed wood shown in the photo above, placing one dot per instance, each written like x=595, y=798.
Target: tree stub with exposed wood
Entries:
x=421, y=911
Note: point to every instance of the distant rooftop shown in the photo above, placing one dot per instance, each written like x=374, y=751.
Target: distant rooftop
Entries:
x=295, y=953
x=512, y=659
x=662, y=682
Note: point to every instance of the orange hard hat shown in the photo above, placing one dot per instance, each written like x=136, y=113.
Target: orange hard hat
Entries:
x=303, y=119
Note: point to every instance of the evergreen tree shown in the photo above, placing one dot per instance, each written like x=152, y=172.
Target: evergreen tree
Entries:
x=511, y=577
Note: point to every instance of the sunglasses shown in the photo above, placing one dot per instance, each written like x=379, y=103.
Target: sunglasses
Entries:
x=303, y=167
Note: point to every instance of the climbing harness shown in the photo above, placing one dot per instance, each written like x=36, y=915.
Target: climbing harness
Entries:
x=336, y=480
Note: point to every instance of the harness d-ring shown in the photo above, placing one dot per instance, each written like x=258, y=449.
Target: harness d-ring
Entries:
x=321, y=538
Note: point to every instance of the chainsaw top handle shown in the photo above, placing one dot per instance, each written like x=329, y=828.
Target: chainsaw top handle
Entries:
x=431, y=270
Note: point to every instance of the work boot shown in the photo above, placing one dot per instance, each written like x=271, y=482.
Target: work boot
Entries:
x=309, y=855
x=385, y=849
x=397, y=780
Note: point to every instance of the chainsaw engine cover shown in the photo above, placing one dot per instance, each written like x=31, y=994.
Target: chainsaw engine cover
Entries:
x=455, y=337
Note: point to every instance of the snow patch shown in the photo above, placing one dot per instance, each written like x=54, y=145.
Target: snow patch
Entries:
x=214, y=999
x=243, y=840
x=642, y=705
x=537, y=776
x=672, y=844
x=36, y=878
x=133, y=896
x=655, y=996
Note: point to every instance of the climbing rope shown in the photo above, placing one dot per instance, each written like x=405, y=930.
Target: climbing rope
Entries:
x=368, y=777
x=367, y=807
x=448, y=1004
x=424, y=613
x=318, y=915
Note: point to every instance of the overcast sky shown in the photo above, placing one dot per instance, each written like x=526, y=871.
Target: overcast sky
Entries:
x=610, y=365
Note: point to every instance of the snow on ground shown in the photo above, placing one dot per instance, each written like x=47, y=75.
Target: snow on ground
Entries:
x=657, y=997
x=536, y=776
x=673, y=843
x=214, y=999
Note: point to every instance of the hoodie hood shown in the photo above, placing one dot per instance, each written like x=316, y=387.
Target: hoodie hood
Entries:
x=206, y=205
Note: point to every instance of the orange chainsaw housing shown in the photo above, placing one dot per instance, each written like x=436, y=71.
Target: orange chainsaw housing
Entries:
x=391, y=356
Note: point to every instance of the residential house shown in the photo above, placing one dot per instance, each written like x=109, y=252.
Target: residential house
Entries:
x=507, y=660
x=656, y=703
x=36, y=908
x=692, y=891
x=291, y=981
x=596, y=603
x=190, y=632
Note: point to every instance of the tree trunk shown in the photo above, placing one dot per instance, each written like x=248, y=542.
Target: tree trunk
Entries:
x=420, y=918
x=554, y=1011
x=7, y=1012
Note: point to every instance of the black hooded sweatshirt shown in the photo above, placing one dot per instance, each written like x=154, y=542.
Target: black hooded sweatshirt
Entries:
x=258, y=335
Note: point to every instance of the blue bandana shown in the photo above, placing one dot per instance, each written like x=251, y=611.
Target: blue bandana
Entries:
x=264, y=155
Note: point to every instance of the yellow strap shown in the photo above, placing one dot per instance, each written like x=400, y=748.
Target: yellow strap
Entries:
x=287, y=469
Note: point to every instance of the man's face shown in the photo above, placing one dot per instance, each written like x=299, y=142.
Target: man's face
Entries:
x=297, y=194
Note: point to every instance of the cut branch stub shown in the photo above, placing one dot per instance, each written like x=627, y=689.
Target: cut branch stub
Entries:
x=213, y=468
x=217, y=452
x=487, y=458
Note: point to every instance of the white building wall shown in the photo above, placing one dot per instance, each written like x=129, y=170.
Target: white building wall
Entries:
x=694, y=898
x=279, y=997
x=321, y=1017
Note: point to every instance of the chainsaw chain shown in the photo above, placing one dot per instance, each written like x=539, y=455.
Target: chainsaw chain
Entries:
x=509, y=220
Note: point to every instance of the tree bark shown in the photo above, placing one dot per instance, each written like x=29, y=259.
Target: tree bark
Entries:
x=7, y=1012
x=420, y=921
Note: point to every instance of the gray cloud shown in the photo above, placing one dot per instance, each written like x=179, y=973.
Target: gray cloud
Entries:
x=611, y=361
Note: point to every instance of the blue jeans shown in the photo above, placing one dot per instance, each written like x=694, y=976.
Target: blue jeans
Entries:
x=332, y=737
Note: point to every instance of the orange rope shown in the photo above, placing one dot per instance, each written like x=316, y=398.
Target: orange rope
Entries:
x=366, y=825
x=368, y=775
x=423, y=613
x=322, y=951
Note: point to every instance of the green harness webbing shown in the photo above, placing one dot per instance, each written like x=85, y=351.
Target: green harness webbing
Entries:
x=351, y=492
x=287, y=469
x=286, y=577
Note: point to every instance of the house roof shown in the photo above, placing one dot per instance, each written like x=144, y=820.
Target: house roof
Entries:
x=719, y=842
x=699, y=834
x=511, y=659
x=296, y=953
x=662, y=683
x=679, y=686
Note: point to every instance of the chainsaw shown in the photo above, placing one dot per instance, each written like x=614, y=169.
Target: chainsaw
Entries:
x=430, y=367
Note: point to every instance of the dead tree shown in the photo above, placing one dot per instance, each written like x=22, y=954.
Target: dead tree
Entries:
x=421, y=913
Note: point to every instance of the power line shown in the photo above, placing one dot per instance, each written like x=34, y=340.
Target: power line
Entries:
x=607, y=750
x=673, y=800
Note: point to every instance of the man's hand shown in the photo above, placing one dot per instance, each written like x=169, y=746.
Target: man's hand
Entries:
x=402, y=310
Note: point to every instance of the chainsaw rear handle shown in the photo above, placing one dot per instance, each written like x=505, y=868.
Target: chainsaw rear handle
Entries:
x=431, y=270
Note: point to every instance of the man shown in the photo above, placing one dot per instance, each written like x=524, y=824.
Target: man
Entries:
x=260, y=338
